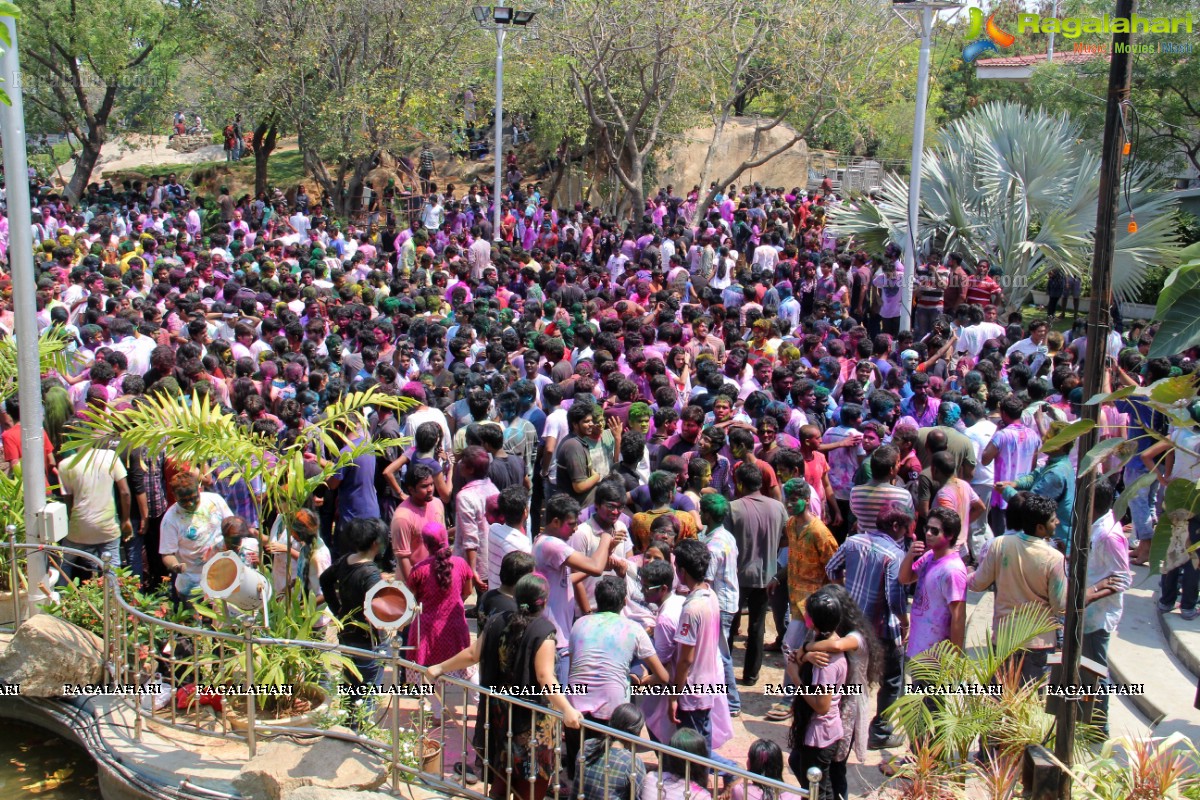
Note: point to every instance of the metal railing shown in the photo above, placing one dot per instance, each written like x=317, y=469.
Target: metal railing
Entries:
x=413, y=753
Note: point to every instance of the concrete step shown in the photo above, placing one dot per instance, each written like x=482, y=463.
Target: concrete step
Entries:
x=1141, y=653
x=1183, y=637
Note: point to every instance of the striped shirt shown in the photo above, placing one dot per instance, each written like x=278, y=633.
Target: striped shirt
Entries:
x=868, y=500
x=870, y=566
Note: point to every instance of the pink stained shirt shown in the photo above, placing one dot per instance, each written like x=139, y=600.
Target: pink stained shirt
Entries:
x=407, y=523
x=700, y=626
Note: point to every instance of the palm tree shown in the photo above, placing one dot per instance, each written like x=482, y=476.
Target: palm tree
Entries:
x=1017, y=186
x=195, y=431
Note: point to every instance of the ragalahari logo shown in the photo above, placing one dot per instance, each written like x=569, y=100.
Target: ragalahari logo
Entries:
x=984, y=36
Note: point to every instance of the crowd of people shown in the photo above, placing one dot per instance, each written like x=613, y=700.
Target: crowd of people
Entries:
x=631, y=442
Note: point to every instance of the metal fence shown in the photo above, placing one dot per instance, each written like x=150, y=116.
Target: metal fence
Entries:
x=413, y=752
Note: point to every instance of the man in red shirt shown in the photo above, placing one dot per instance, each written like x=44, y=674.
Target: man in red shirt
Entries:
x=11, y=439
x=982, y=288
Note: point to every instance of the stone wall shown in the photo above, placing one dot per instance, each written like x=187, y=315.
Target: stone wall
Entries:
x=681, y=161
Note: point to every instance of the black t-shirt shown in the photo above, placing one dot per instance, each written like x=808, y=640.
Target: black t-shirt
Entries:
x=491, y=669
x=345, y=586
x=493, y=603
x=507, y=471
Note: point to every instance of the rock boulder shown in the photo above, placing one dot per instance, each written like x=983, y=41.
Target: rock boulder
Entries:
x=189, y=143
x=283, y=767
x=45, y=653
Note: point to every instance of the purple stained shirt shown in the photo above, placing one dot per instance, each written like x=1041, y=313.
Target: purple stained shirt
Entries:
x=1016, y=447
x=825, y=729
x=603, y=647
x=939, y=583
x=550, y=556
x=700, y=625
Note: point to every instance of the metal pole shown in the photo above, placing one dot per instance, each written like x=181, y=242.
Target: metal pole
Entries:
x=914, y=180
x=1099, y=325
x=20, y=257
x=1050, y=46
x=496, y=185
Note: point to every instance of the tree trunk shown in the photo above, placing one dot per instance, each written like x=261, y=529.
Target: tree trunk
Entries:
x=564, y=162
x=89, y=156
x=706, y=170
x=263, y=144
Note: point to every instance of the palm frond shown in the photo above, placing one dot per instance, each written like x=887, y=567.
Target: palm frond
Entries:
x=1017, y=186
x=197, y=432
x=52, y=357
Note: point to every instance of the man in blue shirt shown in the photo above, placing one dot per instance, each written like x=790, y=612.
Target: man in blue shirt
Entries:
x=1145, y=426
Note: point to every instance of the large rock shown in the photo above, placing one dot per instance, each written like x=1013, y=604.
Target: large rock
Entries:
x=283, y=767
x=45, y=653
x=321, y=793
x=189, y=143
x=681, y=164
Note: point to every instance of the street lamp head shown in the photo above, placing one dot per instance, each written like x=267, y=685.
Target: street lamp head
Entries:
x=481, y=13
x=502, y=15
x=523, y=17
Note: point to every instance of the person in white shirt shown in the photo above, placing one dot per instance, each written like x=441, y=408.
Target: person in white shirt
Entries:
x=766, y=256
x=1034, y=347
x=512, y=506
x=980, y=430
x=977, y=331
x=300, y=224
x=433, y=215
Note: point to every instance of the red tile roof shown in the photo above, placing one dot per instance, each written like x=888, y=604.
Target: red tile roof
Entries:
x=1068, y=56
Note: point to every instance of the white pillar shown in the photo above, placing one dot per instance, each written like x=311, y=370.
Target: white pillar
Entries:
x=914, y=181
x=497, y=184
x=20, y=255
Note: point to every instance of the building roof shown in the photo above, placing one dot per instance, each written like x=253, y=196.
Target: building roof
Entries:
x=1068, y=56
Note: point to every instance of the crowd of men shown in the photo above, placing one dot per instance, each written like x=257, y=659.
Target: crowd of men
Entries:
x=687, y=421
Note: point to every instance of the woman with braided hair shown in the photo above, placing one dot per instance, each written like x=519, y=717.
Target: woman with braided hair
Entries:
x=441, y=584
x=516, y=652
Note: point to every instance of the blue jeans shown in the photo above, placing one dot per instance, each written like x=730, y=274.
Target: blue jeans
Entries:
x=735, y=699
x=1144, y=505
x=1095, y=647
x=700, y=720
x=76, y=567
x=562, y=667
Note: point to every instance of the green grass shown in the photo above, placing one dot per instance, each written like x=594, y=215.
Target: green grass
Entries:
x=283, y=170
x=45, y=163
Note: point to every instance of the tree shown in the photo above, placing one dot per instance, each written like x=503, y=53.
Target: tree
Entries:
x=1017, y=187
x=83, y=58
x=631, y=64
x=801, y=63
x=352, y=78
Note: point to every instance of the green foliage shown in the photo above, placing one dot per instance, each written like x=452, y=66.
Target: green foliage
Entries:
x=951, y=723
x=1016, y=186
x=294, y=616
x=195, y=431
x=1131, y=769
x=52, y=356
x=89, y=63
x=10, y=11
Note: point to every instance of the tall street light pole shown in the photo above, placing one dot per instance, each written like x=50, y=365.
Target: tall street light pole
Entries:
x=927, y=10
x=1098, y=327
x=498, y=19
x=20, y=253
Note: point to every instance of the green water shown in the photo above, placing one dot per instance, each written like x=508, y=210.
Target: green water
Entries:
x=37, y=764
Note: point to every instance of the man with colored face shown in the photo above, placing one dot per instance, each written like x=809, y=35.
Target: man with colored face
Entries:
x=191, y=528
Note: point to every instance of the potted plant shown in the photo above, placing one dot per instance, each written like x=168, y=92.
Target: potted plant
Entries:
x=303, y=670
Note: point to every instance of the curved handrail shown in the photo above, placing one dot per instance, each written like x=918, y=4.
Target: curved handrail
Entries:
x=112, y=648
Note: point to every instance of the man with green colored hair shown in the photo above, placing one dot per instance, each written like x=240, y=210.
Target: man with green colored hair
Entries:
x=639, y=418
x=723, y=578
